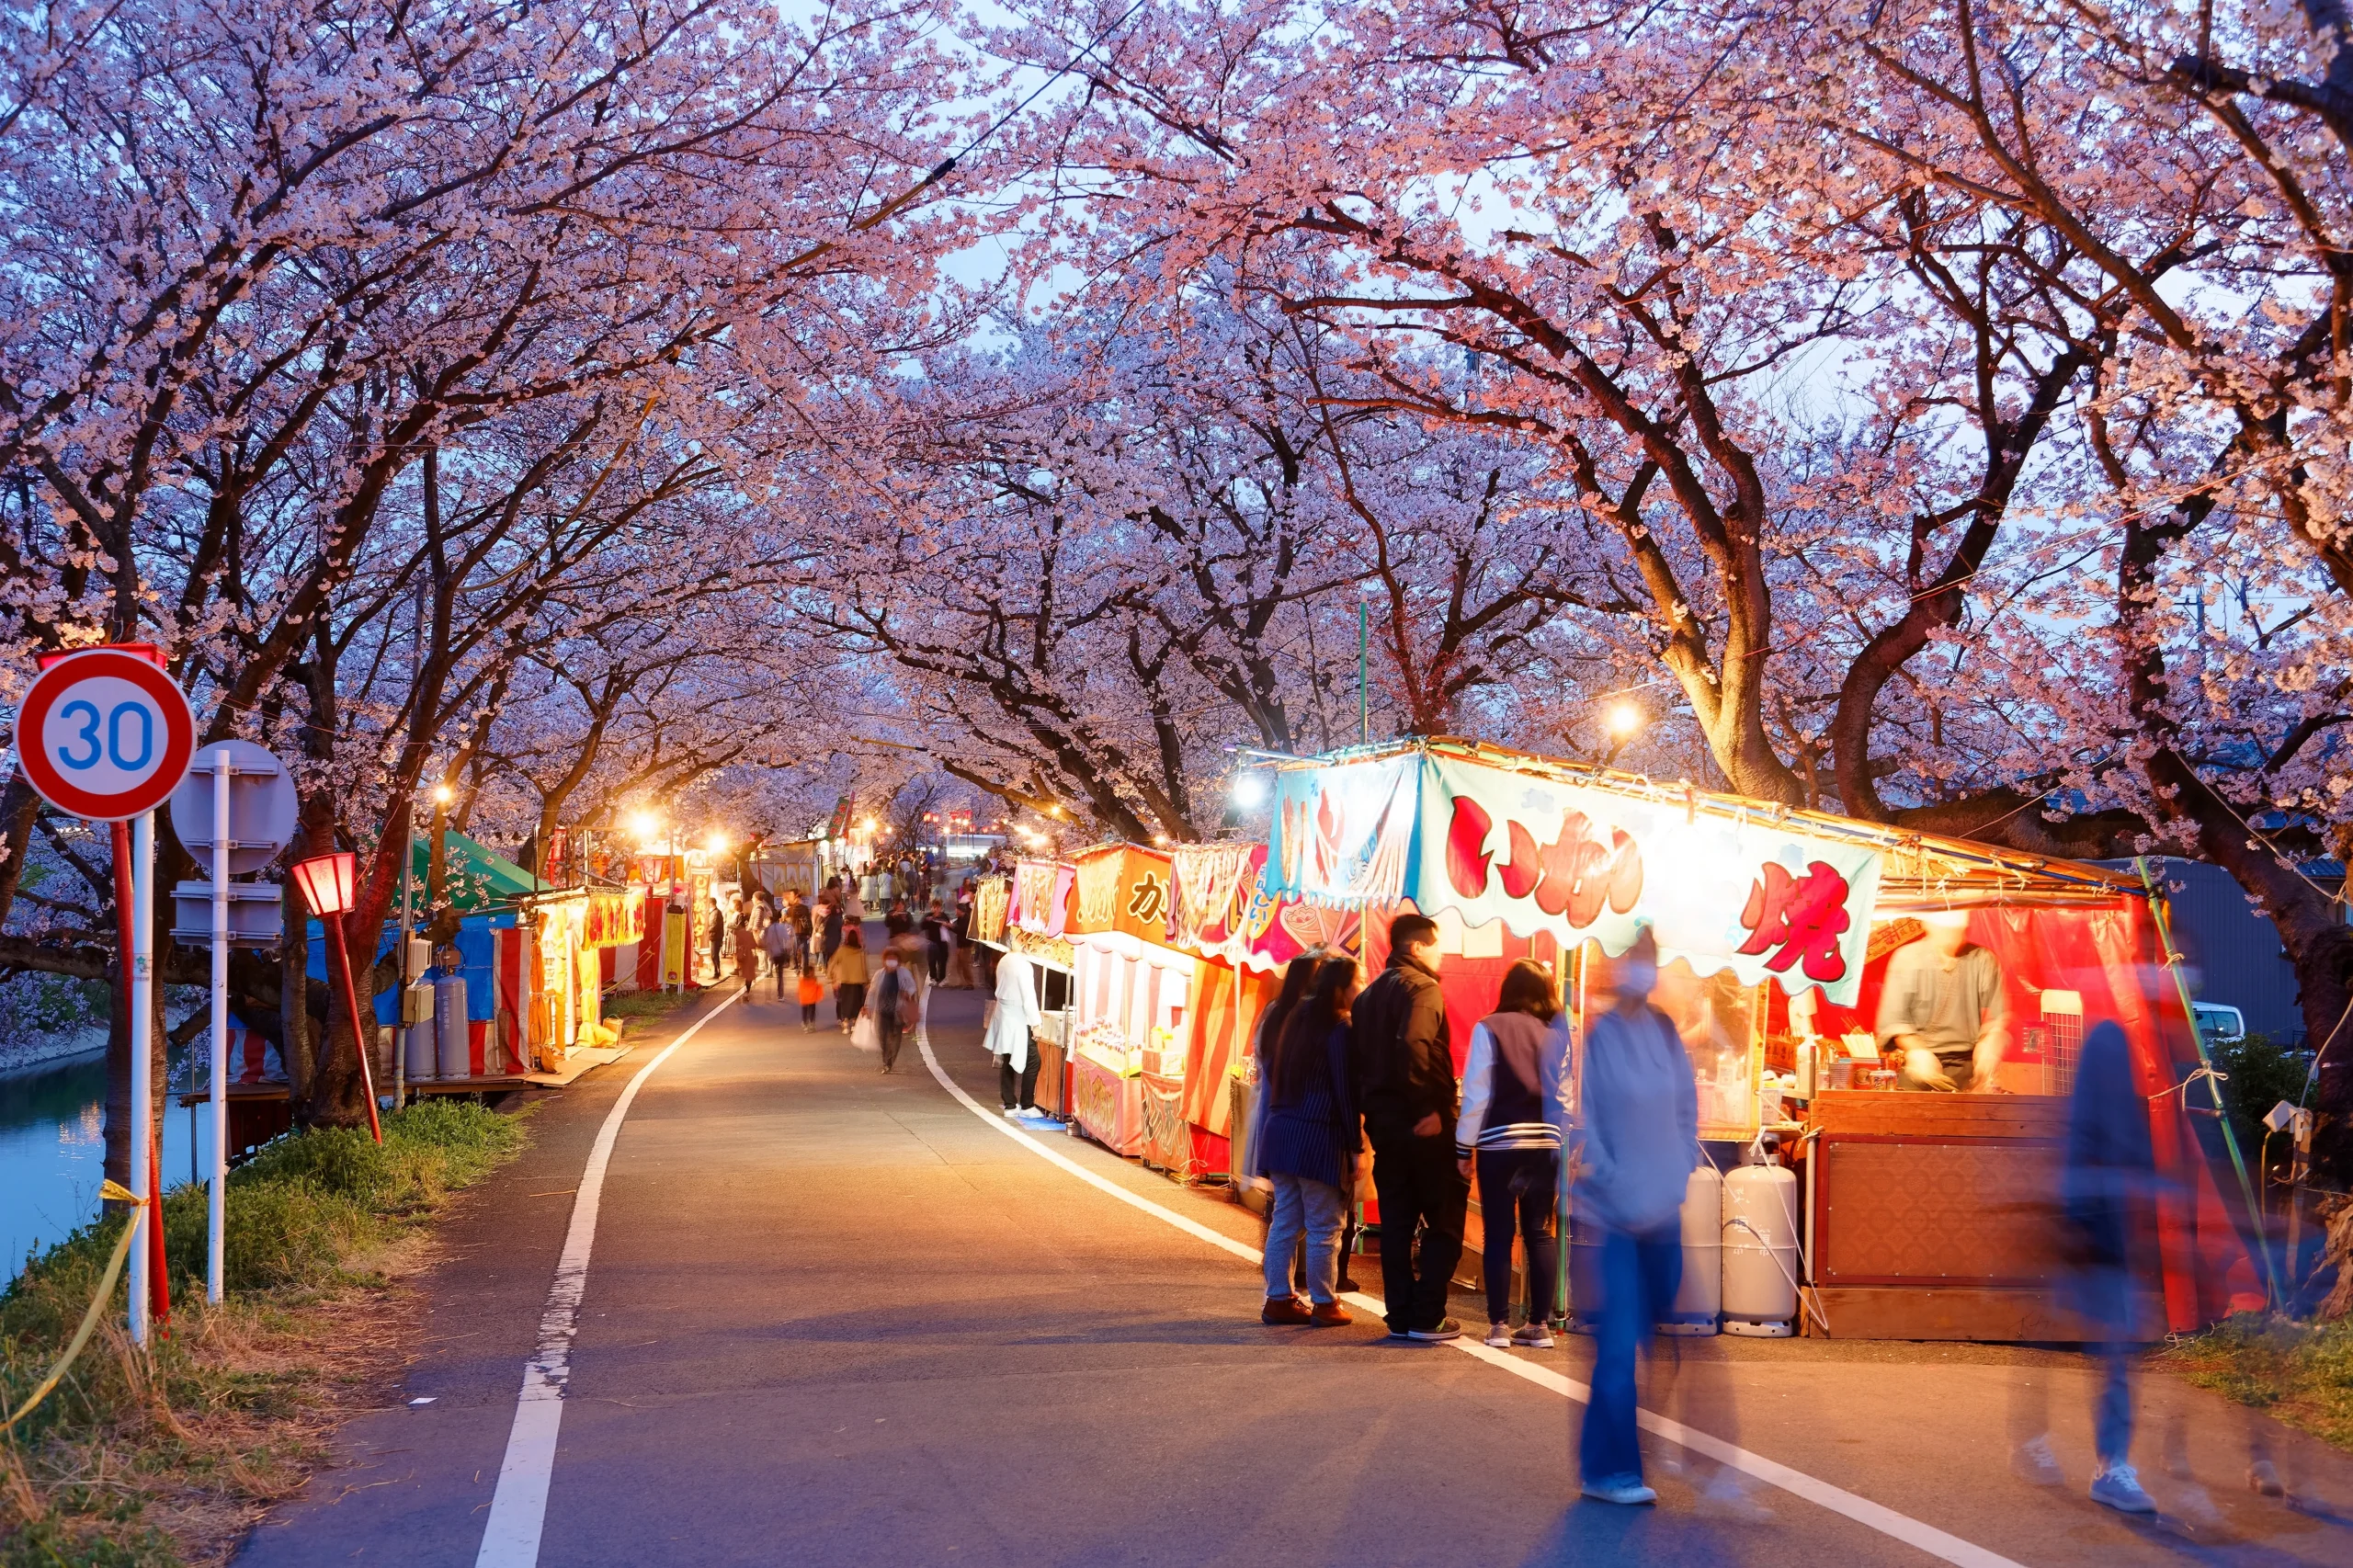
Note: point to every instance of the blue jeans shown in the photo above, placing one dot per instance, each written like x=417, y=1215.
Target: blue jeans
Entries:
x=1303, y=1204
x=2112, y=1413
x=1639, y=1275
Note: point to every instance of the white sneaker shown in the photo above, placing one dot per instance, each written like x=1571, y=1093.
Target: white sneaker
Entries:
x=2119, y=1488
x=1499, y=1336
x=1627, y=1490
x=2033, y=1461
x=1010, y=1114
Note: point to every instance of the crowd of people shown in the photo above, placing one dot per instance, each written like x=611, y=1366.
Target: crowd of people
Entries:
x=1358, y=1078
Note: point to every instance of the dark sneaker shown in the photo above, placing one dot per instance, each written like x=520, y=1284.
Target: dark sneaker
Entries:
x=1282, y=1309
x=1330, y=1314
x=1447, y=1329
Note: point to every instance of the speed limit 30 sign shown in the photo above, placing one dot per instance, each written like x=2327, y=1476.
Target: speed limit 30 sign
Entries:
x=104, y=735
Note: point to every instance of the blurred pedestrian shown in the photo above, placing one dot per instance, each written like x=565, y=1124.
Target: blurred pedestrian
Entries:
x=812, y=990
x=833, y=922
x=1513, y=1110
x=747, y=951
x=960, y=958
x=893, y=1006
x=1636, y=1152
x=2110, y=1184
x=776, y=941
x=1312, y=1137
x=1403, y=1069
x=935, y=933
x=846, y=970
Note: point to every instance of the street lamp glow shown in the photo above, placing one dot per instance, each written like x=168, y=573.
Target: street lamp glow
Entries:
x=867, y=826
x=644, y=826
x=1249, y=790
x=718, y=844
x=1624, y=720
x=443, y=794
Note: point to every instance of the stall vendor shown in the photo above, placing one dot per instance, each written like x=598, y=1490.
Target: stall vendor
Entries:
x=1943, y=1019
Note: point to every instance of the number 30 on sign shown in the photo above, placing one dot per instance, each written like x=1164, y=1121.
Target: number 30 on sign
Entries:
x=104, y=735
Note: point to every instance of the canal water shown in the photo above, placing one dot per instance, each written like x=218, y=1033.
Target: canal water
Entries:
x=53, y=1153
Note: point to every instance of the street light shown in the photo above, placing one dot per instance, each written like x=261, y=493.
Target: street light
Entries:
x=329, y=884
x=1623, y=722
x=645, y=827
x=1249, y=790
x=443, y=794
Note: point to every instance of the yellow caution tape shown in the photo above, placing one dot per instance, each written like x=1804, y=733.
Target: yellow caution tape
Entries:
x=113, y=1192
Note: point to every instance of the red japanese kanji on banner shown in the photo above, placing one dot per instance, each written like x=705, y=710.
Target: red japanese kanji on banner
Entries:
x=1802, y=916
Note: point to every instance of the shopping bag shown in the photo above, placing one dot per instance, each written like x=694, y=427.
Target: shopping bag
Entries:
x=865, y=1034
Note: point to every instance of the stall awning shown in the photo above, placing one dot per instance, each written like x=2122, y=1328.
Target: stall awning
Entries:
x=1767, y=893
x=478, y=877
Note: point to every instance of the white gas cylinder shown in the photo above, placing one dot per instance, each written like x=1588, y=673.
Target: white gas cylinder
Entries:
x=1700, y=1298
x=1760, y=1250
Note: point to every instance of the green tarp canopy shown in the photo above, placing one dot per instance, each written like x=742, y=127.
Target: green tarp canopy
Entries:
x=476, y=876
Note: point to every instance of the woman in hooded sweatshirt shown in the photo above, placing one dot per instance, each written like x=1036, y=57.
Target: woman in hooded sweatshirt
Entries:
x=1510, y=1131
x=1636, y=1152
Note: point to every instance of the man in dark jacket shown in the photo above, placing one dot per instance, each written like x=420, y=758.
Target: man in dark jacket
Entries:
x=1404, y=1068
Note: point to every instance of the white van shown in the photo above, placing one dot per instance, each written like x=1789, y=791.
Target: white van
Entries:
x=2217, y=1023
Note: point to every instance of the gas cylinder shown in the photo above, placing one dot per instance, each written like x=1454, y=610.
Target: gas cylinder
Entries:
x=1700, y=1298
x=452, y=1039
x=1760, y=1250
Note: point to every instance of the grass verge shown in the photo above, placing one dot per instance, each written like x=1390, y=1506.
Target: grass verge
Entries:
x=2299, y=1373
x=645, y=1004
x=166, y=1457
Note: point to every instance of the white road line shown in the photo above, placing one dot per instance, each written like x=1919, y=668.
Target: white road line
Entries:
x=518, y=1509
x=1912, y=1532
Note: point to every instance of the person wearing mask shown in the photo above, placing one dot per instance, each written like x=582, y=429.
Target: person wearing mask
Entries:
x=1403, y=1071
x=935, y=940
x=1011, y=1039
x=2107, y=1194
x=893, y=1006
x=1312, y=1137
x=1634, y=1156
x=1513, y=1110
x=846, y=970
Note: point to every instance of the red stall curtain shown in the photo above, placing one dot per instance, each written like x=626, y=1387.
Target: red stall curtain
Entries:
x=2108, y=955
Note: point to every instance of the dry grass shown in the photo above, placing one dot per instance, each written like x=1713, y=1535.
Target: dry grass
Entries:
x=169, y=1457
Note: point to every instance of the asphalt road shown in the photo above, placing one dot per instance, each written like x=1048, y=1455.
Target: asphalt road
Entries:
x=834, y=1317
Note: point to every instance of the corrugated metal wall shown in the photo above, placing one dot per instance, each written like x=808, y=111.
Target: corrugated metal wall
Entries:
x=2232, y=954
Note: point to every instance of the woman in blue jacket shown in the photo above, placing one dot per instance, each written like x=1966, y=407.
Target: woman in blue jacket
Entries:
x=1311, y=1142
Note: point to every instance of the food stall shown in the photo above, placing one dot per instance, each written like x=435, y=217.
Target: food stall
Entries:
x=1928, y=1214
x=1130, y=1026
x=1029, y=913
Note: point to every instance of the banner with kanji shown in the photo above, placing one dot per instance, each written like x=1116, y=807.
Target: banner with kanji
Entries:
x=1122, y=887
x=1765, y=900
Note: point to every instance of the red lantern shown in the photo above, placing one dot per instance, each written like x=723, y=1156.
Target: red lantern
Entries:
x=330, y=885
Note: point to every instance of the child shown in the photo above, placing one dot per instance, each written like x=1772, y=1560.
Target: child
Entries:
x=812, y=990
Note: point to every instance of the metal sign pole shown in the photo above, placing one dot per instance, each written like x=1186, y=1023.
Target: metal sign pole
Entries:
x=216, y=1222
x=143, y=1031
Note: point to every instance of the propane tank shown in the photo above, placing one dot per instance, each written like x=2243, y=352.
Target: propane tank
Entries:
x=1760, y=1250
x=452, y=1045
x=419, y=1052
x=1700, y=1297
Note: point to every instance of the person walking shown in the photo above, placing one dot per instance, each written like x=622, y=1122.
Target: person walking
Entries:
x=1634, y=1156
x=776, y=941
x=812, y=990
x=959, y=960
x=1513, y=1110
x=1403, y=1070
x=846, y=970
x=747, y=952
x=1312, y=1138
x=2107, y=1192
x=1011, y=1039
x=935, y=938
x=796, y=915
x=894, y=1005
x=834, y=922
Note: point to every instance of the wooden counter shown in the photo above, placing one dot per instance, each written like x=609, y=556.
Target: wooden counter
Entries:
x=1937, y=1216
